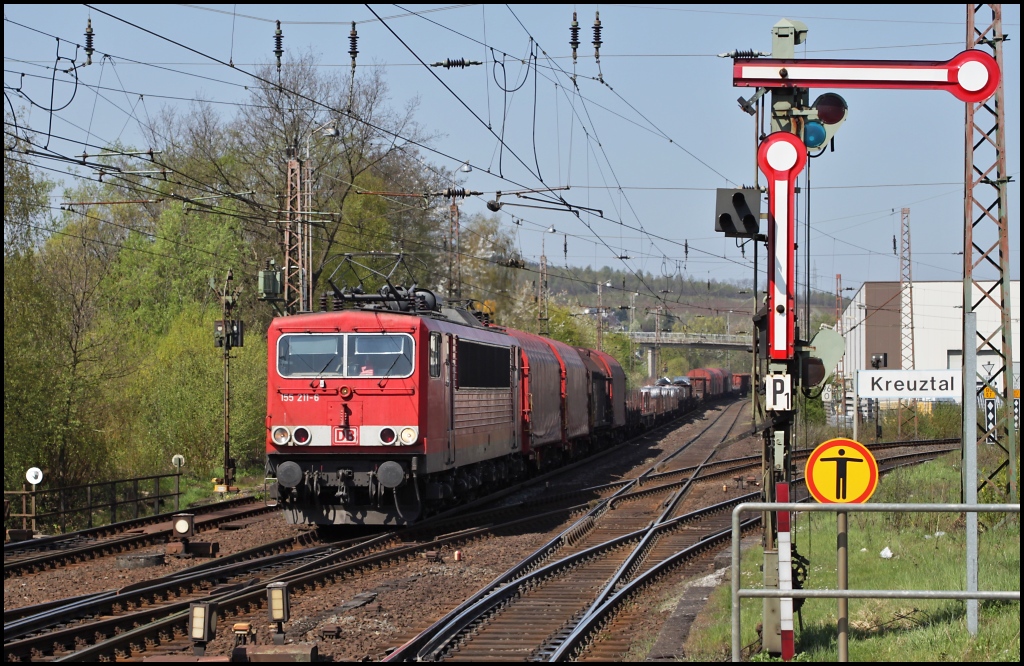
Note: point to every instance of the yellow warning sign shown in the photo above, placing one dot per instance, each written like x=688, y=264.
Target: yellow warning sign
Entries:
x=990, y=393
x=1016, y=394
x=841, y=471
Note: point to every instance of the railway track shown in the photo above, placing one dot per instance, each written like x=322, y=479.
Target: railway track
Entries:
x=522, y=611
x=544, y=610
x=48, y=552
x=36, y=555
x=605, y=633
x=150, y=617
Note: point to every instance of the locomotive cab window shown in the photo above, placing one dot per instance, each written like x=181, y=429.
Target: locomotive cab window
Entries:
x=345, y=355
x=310, y=355
x=379, y=355
x=435, y=354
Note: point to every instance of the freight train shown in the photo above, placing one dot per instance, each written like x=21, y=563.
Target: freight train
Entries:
x=393, y=406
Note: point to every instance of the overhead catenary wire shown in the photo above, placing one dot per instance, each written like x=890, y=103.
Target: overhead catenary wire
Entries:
x=609, y=186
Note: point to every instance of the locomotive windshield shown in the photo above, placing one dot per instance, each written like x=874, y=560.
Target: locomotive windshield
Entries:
x=345, y=355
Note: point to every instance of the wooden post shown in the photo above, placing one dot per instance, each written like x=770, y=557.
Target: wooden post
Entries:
x=135, y=497
x=113, y=502
x=177, y=489
x=63, y=513
x=156, y=495
x=88, y=499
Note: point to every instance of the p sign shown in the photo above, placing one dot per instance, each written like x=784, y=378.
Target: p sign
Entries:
x=778, y=393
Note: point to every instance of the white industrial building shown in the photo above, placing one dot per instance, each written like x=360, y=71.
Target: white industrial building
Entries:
x=871, y=324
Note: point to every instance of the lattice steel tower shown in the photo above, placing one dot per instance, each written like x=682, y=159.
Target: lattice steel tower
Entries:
x=908, y=408
x=292, y=232
x=986, y=243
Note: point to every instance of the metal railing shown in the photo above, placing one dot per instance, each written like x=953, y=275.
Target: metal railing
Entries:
x=92, y=504
x=754, y=593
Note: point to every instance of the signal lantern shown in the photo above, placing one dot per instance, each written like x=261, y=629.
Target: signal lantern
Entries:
x=831, y=113
x=183, y=525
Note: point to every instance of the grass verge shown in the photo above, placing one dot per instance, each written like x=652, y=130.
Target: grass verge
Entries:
x=928, y=554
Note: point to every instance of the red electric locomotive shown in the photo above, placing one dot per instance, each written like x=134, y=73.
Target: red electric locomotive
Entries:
x=381, y=413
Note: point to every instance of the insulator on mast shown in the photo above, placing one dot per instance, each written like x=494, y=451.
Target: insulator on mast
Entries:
x=597, y=36
x=574, y=36
x=458, y=193
x=278, y=50
x=458, y=63
x=353, y=42
x=89, y=50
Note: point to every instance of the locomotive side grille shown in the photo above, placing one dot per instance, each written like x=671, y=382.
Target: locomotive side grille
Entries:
x=481, y=409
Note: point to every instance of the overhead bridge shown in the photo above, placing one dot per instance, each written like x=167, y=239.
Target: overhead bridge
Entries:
x=693, y=340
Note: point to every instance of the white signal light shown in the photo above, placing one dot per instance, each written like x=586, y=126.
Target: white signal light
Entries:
x=281, y=436
x=408, y=435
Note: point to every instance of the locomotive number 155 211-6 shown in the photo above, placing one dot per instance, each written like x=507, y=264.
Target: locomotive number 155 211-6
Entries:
x=302, y=397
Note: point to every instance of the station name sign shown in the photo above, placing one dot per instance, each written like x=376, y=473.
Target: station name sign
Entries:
x=910, y=384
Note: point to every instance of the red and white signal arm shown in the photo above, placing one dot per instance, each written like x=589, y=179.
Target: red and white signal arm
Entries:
x=971, y=76
x=781, y=157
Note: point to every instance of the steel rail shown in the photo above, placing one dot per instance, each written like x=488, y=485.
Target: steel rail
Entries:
x=119, y=544
x=242, y=598
x=590, y=623
x=429, y=642
x=46, y=542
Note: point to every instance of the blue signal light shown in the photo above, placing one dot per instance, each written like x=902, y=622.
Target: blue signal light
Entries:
x=814, y=134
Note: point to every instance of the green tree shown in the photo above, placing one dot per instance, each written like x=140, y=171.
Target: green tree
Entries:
x=28, y=310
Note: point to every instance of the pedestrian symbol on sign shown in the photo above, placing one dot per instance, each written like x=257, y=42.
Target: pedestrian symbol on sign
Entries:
x=841, y=463
x=841, y=471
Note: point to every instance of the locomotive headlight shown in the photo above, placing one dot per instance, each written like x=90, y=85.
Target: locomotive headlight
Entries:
x=281, y=436
x=387, y=435
x=301, y=436
x=408, y=435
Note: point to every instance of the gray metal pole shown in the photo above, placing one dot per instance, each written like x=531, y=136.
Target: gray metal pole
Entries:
x=970, y=462
x=843, y=551
x=856, y=404
x=737, y=644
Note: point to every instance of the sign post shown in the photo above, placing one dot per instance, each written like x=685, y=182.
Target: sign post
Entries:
x=842, y=471
x=796, y=128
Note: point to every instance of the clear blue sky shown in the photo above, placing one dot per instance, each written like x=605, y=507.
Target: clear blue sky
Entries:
x=648, y=146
